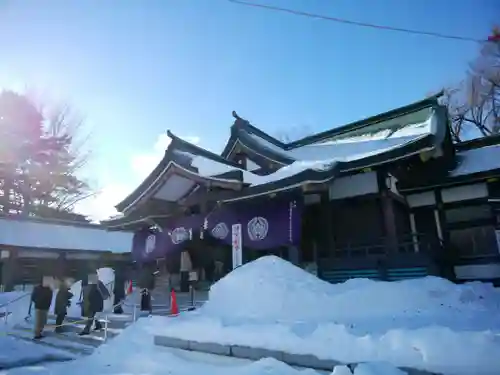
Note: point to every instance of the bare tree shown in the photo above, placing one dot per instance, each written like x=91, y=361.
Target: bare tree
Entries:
x=63, y=121
x=474, y=104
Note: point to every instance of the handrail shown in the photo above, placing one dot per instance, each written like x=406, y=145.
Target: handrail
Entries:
x=14, y=300
x=106, y=313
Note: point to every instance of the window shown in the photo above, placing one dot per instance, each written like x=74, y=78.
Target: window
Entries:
x=468, y=213
x=474, y=241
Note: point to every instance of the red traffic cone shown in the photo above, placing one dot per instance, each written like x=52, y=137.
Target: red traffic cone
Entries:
x=495, y=35
x=174, y=309
x=129, y=288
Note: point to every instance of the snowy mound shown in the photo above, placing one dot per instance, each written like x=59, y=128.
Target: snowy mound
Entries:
x=268, y=287
x=107, y=276
x=272, y=289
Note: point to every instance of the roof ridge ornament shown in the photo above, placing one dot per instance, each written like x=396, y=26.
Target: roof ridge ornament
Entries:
x=235, y=115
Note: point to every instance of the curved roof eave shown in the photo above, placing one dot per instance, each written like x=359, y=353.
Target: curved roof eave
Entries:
x=169, y=159
x=158, y=170
x=255, y=148
x=222, y=181
x=183, y=145
x=242, y=127
x=130, y=224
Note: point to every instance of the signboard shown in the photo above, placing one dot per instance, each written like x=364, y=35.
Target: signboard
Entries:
x=237, y=245
x=193, y=276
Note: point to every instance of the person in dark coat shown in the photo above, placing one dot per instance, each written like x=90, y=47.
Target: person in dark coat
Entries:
x=146, y=304
x=41, y=297
x=63, y=301
x=93, y=303
x=118, y=292
x=148, y=284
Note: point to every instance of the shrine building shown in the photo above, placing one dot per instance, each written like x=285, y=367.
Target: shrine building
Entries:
x=388, y=197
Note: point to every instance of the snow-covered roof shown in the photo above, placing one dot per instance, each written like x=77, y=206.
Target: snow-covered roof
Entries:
x=181, y=171
x=477, y=160
x=68, y=236
x=351, y=148
x=384, y=138
x=374, y=134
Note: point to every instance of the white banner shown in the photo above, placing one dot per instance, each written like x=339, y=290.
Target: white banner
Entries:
x=237, y=245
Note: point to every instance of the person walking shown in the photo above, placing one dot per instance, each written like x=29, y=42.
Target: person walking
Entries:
x=118, y=292
x=63, y=301
x=41, y=297
x=148, y=284
x=93, y=303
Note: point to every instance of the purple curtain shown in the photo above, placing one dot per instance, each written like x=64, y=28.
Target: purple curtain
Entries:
x=277, y=223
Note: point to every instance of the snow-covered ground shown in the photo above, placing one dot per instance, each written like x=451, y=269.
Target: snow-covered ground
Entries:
x=19, y=308
x=134, y=353
x=14, y=351
x=429, y=323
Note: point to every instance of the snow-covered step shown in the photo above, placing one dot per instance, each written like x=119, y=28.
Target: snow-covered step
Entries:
x=71, y=331
x=77, y=328
x=113, y=321
x=52, y=340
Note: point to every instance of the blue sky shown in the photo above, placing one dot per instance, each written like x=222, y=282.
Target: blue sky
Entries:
x=138, y=68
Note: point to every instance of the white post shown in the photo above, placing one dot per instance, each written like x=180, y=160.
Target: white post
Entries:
x=237, y=245
x=133, y=313
x=106, y=328
x=414, y=237
x=438, y=225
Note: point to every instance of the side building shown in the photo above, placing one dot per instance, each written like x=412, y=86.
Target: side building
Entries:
x=389, y=197
x=31, y=248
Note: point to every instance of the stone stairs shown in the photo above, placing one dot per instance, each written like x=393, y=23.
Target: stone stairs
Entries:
x=161, y=300
x=69, y=341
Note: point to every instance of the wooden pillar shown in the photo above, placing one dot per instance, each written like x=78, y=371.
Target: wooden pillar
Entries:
x=388, y=214
x=447, y=259
x=10, y=265
x=61, y=271
x=327, y=246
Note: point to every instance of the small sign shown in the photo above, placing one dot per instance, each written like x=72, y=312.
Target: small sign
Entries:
x=193, y=276
x=4, y=254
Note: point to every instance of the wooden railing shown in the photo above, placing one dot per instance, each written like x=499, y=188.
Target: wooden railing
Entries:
x=411, y=256
x=411, y=243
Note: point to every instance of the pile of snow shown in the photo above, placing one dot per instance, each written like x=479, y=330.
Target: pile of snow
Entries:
x=16, y=304
x=268, y=288
x=107, y=276
x=17, y=353
x=429, y=323
x=133, y=352
x=272, y=289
